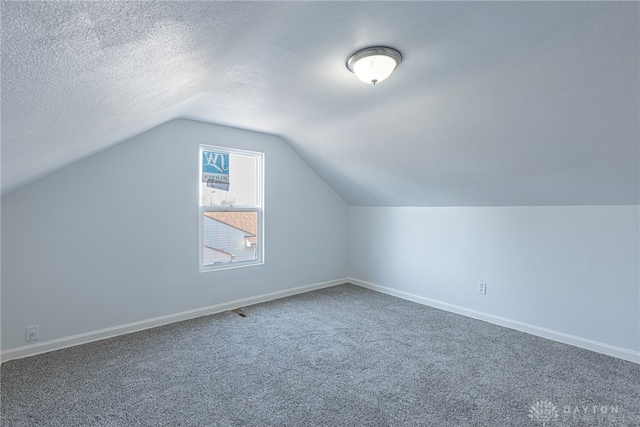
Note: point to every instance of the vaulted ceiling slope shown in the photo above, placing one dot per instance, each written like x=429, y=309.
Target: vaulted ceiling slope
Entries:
x=506, y=103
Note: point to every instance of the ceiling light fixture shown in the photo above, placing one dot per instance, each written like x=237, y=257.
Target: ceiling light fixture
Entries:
x=374, y=64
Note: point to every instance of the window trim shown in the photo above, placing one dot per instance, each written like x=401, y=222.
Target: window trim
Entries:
x=259, y=209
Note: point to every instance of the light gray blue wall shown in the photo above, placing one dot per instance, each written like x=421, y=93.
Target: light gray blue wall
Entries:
x=114, y=239
x=572, y=270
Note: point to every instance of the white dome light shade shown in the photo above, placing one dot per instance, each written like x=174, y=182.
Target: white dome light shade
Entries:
x=374, y=64
x=374, y=69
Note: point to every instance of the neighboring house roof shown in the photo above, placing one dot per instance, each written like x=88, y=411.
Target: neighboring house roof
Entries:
x=245, y=221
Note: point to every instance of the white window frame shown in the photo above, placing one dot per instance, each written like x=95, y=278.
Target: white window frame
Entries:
x=259, y=209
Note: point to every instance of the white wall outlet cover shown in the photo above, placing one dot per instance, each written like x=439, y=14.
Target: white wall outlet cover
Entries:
x=482, y=288
x=32, y=333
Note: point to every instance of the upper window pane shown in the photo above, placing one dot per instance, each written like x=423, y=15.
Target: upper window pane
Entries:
x=228, y=178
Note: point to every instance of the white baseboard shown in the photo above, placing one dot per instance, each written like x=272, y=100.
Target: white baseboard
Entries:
x=86, y=337
x=610, y=350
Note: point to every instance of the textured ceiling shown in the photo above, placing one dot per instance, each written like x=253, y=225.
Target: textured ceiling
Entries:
x=507, y=103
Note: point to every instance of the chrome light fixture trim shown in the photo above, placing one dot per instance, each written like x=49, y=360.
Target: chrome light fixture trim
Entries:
x=373, y=75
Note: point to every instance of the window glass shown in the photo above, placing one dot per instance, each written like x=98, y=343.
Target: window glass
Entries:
x=231, y=214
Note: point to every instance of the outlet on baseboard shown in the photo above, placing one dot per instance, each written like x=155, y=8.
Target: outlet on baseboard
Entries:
x=482, y=288
x=32, y=333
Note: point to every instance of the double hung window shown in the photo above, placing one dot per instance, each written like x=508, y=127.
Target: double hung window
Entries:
x=231, y=208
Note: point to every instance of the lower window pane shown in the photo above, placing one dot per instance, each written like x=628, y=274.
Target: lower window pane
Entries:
x=230, y=237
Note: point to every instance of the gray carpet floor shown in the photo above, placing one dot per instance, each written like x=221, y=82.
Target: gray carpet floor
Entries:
x=341, y=356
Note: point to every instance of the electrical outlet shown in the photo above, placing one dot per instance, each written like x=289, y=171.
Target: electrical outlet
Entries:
x=32, y=333
x=482, y=288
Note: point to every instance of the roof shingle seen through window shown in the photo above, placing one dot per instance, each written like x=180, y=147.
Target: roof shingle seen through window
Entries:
x=245, y=221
